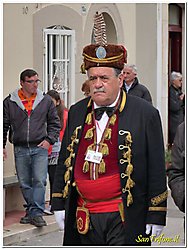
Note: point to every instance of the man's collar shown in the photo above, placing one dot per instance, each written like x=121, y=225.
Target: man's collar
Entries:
x=122, y=101
x=113, y=104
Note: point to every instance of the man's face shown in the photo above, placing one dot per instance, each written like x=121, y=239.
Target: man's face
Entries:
x=30, y=85
x=104, y=85
x=128, y=75
x=177, y=82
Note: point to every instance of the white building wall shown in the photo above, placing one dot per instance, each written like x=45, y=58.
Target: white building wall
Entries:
x=129, y=33
x=17, y=43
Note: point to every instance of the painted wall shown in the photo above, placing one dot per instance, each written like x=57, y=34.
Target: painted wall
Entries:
x=146, y=46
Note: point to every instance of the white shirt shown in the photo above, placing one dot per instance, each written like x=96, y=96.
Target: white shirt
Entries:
x=100, y=127
x=127, y=86
x=101, y=124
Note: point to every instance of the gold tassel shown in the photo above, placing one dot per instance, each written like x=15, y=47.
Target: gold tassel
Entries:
x=89, y=133
x=102, y=167
x=129, y=199
x=66, y=189
x=127, y=154
x=67, y=175
x=75, y=133
x=70, y=147
x=129, y=169
x=68, y=161
x=76, y=141
x=113, y=119
x=105, y=150
x=108, y=134
x=121, y=211
x=88, y=119
x=85, y=168
x=90, y=147
x=82, y=68
x=130, y=183
x=129, y=138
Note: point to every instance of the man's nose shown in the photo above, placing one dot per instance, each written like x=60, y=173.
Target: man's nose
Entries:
x=98, y=82
x=36, y=84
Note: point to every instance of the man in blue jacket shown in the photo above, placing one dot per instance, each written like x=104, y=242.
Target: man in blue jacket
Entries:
x=31, y=119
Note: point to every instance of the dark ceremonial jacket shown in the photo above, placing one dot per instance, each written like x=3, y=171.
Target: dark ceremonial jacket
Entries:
x=142, y=120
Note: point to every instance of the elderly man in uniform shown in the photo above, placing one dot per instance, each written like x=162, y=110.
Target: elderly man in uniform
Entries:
x=110, y=183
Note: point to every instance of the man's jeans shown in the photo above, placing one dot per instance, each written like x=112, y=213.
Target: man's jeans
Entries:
x=32, y=166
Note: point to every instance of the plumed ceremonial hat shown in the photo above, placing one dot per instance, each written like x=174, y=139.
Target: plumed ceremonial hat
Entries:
x=102, y=54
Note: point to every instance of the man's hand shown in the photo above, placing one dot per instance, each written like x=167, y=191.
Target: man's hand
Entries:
x=155, y=230
x=4, y=154
x=44, y=144
x=182, y=96
x=60, y=218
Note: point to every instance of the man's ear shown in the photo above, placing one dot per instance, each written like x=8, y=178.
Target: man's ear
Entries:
x=21, y=83
x=120, y=77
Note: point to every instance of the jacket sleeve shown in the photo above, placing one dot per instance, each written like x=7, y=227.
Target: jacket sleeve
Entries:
x=53, y=124
x=147, y=96
x=157, y=187
x=176, y=172
x=58, y=201
x=6, y=121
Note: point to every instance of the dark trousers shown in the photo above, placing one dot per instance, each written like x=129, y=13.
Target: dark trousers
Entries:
x=51, y=173
x=105, y=229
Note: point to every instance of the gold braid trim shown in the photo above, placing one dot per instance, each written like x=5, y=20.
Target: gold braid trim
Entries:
x=89, y=103
x=160, y=198
x=121, y=211
x=129, y=169
x=89, y=118
x=113, y=119
x=66, y=189
x=157, y=209
x=106, y=60
x=89, y=134
x=57, y=195
x=68, y=161
x=123, y=101
x=108, y=134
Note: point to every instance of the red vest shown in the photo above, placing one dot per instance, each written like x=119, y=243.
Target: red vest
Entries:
x=102, y=194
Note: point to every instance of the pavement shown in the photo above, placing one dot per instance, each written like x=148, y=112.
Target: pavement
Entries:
x=14, y=232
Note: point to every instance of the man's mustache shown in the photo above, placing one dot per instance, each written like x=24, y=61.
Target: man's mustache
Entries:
x=99, y=90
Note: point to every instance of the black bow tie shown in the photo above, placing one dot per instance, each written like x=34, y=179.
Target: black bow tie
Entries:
x=99, y=112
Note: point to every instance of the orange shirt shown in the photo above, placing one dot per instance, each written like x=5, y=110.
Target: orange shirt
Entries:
x=27, y=102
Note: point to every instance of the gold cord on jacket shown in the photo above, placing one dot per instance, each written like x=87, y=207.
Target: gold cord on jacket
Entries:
x=160, y=198
x=129, y=168
x=68, y=161
x=103, y=147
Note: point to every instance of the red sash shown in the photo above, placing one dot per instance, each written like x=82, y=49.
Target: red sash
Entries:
x=101, y=195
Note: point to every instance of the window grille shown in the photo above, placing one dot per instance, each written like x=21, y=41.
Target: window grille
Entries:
x=59, y=62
